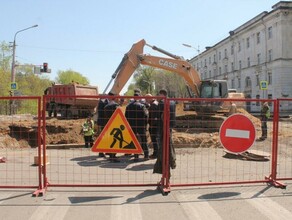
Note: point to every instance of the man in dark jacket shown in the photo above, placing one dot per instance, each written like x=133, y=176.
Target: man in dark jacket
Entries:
x=101, y=121
x=109, y=110
x=137, y=116
x=153, y=120
x=172, y=157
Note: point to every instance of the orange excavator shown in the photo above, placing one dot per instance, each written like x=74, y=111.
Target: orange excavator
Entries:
x=176, y=64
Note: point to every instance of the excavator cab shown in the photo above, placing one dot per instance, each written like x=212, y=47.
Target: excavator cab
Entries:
x=209, y=89
x=214, y=89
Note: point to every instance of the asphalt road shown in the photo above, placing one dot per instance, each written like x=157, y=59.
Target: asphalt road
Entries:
x=229, y=202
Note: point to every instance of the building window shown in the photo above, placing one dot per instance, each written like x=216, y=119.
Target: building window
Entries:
x=258, y=37
x=210, y=76
x=247, y=82
x=225, y=68
x=247, y=43
x=219, y=55
x=270, y=33
x=225, y=53
x=220, y=71
x=239, y=82
x=239, y=47
x=232, y=84
x=259, y=58
x=258, y=98
x=209, y=60
x=239, y=63
x=214, y=57
x=257, y=80
x=248, y=62
x=232, y=49
x=270, y=55
x=205, y=62
x=270, y=96
x=270, y=78
x=232, y=66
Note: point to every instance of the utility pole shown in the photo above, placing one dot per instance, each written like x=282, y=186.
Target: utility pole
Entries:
x=13, y=54
x=13, y=83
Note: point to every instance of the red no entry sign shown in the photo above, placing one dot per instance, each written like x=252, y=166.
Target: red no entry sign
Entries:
x=237, y=133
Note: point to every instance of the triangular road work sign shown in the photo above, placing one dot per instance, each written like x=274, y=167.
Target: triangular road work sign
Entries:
x=117, y=137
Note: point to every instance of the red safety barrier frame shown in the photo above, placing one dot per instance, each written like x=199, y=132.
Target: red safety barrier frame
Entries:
x=277, y=163
x=48, y=183
x=165, y=183
x=270, y=179
x=39, y=186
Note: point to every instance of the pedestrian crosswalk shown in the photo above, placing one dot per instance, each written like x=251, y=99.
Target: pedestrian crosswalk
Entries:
x=196, y=210
x=54, y=207
x=233, y=203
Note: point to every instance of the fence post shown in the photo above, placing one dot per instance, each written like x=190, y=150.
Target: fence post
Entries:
x=273, y=176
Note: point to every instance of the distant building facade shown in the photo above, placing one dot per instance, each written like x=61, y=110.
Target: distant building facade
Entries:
x=256, y=54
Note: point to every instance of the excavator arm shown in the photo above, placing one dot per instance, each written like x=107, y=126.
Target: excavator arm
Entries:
x=135, y=57
x=181, y=67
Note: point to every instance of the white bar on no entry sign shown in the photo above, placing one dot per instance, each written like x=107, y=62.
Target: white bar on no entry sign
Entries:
x=237, y=133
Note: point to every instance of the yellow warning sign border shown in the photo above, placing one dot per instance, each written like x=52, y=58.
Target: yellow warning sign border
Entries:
x=138, y=149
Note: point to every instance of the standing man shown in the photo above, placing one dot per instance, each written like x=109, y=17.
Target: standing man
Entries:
x=153, y=120
x=172, y=157
x=109, y=110
x=101, y=118
x=265, y=115
x=88, y=132
x=137, y=116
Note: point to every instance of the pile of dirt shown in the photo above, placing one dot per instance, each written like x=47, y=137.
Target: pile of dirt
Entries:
x=195, y=140
x=22, y=132
x=64, y=131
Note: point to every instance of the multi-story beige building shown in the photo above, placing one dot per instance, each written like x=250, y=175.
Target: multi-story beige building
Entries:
x=256, y=58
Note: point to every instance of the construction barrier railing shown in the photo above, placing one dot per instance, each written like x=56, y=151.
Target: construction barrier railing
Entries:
x=20, y=145
x=208, y=142
x=212, y=151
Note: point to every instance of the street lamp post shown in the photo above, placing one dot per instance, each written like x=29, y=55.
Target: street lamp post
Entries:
x=12, y=102
x=198, y=51
x=13, y=55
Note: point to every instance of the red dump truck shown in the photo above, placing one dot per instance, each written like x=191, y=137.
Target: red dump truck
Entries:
x=71, y=107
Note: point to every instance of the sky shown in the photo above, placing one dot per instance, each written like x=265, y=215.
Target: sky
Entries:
x=92, y=36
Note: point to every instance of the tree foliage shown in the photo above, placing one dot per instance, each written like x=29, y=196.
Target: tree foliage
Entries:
x=29, y=84
x=69, y=76
x=151, y=80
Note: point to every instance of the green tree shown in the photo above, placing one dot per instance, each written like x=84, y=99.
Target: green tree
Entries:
x=5, y=68
x=5, y=57
x=150, y=80
x=145, y=79
x=69, y=76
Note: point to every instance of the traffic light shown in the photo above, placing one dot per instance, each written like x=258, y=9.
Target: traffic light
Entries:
x=45, y=67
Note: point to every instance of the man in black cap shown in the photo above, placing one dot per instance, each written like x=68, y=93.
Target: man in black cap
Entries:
x=109, y=110
x=137, y=116
x=172, y=156
x=137, y=91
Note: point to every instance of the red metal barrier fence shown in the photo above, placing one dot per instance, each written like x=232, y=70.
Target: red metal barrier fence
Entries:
x=71, y=164
x=200, y=157
x=284, y=140
x=20, y=145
